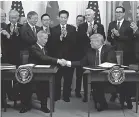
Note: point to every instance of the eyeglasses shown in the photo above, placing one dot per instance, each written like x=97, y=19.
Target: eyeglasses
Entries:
x=119, y=12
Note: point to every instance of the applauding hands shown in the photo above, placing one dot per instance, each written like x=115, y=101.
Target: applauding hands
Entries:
x=64, y=62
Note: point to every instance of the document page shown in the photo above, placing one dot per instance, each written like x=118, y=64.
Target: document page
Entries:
x=107, y=65
x=42, y=66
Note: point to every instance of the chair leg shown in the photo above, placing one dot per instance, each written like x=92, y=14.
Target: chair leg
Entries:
x=15, y=103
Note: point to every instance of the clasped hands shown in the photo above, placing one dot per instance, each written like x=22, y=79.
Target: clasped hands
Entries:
x=64, y=62
x=114, y=32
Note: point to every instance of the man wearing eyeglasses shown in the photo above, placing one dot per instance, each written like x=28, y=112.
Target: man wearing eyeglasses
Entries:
x=120, y=35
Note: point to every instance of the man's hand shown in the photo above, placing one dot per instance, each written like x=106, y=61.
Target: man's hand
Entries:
x=116, y=32
x=95, y=28
x=134, y=26
x=4, y=32
x=62, y=62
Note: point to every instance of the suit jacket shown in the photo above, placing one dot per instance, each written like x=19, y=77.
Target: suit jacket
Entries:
x=28, y=37
x=65, y=48
x=125, y=40
x=14, y=45
x=83, y=41
x=107, y=55
x=4, y=44
x=137, y=43
x=37, y=56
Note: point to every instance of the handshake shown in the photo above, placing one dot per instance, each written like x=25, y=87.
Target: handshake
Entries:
x=64, y=62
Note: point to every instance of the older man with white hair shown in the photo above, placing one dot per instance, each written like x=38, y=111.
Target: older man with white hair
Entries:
x=97, y=54
x=14, y=41
x=85, y=30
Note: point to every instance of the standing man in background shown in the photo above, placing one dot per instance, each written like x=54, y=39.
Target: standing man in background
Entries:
x=63, y=43
x=85, y=30
x=120, y=35
x=45, y=19
x=135, y=27
x=80, y=19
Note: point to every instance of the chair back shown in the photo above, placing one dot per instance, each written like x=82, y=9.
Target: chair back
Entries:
x=119, y=56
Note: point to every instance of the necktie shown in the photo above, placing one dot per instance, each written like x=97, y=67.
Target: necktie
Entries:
x=34, y=31
x=62, y=31
x=47, y=30
x=14, y=28
x=118, y=26
x=43, y=51
x=89, y=30
x=97, y=58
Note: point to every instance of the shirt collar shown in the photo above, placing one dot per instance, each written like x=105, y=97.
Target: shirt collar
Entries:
x=44, y=28
x=91, y=23
x=100, y=48
x=120, y=21
x=14, y=24
x=40, y=46
x=31, y=25
x=62, y=25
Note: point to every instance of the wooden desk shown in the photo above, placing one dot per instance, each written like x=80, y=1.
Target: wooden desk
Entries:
x=102, y=76
x=40, y=74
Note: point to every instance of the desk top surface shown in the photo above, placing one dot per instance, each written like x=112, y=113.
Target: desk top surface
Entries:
x=12, y=68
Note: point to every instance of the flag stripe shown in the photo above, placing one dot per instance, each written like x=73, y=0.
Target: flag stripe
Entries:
x=17, y=5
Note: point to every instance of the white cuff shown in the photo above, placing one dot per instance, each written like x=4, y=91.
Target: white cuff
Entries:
x=68, y=63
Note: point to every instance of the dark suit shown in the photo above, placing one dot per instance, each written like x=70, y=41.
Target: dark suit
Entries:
x=14, y=46
x=107, y=55
x=37, y=56
x=124, y=42
x=28, y=37
x=82, y=45
x=63, y=49
x=136, y=35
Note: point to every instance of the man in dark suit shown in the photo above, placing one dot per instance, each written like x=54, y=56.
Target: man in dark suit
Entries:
x=6, y=86
x=63, y=43
x=39, y=55
x=12, y=44
x=135, y=27
x=97, y=54
x=45, y=19
x=80, y=19
x=85, y=30
x=120, y=35
x=14, y=41
x=29, y=32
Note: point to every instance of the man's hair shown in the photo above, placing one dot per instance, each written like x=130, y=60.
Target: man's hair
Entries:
x=91, y=10
x=64, y=12
x=97, y=35
x=45, y=15
x=123, y=9
x=39, y=34
x=30, y=14
x=81, y=16
x=13, y=12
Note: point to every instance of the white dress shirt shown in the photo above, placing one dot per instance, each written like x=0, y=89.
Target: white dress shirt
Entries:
x=120, y=22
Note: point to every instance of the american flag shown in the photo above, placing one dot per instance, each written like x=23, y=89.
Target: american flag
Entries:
x=94, y=5
x=17, y=5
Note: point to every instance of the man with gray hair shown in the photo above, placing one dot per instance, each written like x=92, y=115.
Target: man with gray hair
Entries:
x=85, y=30
x=97, y=54
x=14, y=39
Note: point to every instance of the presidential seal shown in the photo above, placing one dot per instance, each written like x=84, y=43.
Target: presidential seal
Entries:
x=24, y=75
x=116, y=75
